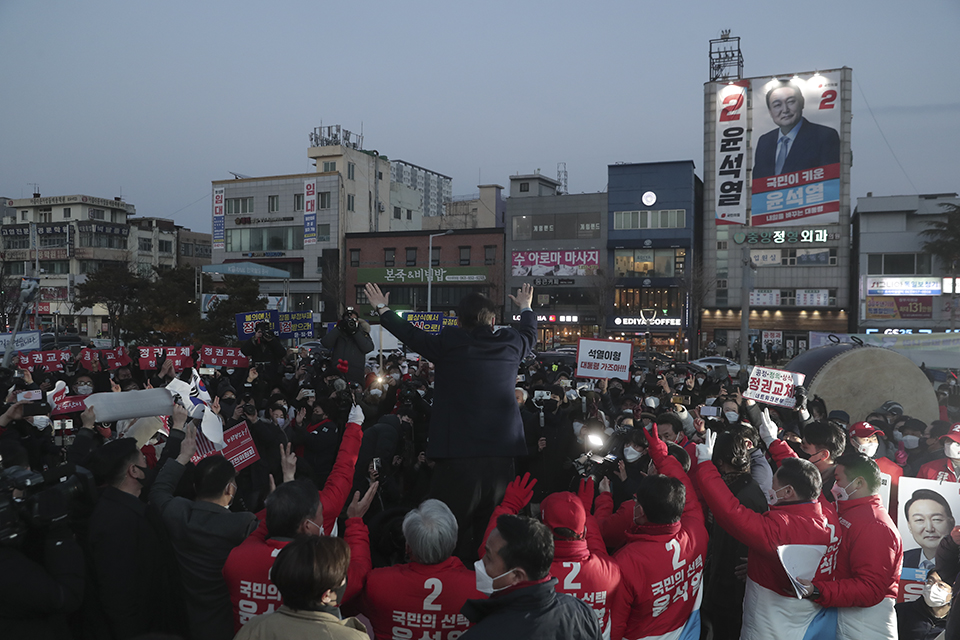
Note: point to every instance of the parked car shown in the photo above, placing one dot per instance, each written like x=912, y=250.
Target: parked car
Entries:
x=733, y=368
x=315, y=348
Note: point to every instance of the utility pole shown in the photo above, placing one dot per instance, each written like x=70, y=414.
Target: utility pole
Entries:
x=746, y=286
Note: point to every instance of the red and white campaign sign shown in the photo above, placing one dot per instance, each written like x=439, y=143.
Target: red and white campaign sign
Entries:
x=47, y=360
x=773, y=386
x=603, y=358
x=179, y=355
x=240, y=449
x=223, y=357
x=69, y=404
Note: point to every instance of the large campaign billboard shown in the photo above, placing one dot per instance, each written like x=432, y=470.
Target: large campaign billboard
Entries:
x=796, y=150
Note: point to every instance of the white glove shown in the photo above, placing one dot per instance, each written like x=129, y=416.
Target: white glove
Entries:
x=705, y=450
x=356, y=415
x=768, y=428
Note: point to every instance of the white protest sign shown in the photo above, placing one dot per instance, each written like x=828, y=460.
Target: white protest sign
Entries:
x=603, y=358
x=25, y=341
x=773, y=386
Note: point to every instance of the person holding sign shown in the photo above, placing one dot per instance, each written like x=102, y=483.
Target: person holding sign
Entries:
x=475, y=428
x=865, y=582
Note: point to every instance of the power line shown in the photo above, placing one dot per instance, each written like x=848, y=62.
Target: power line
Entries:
x=205, y=195
x=892, y=152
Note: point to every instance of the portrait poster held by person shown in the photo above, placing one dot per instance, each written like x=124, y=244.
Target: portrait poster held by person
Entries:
x=475, y=429
x=350, y=343
x=927, y=519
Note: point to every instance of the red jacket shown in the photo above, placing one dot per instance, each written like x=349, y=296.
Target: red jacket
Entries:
x=870, y=557
x=613, y=526
x=941, y=470
x=661, y=567
x=895, y=472
x=418, y=600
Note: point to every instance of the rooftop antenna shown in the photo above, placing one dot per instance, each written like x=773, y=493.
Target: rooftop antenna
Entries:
x=726, y=59
x=562, y=176
x=239, y=176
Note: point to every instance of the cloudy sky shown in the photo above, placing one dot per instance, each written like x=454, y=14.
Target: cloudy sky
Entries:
x=155, y=100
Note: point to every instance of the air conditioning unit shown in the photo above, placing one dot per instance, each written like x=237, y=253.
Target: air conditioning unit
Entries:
x=380, y=207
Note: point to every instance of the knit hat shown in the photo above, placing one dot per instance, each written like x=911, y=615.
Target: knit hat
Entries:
x=563, y=510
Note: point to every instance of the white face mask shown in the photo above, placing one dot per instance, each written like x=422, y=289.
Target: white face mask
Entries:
x=911, y=442
x=840, y=493
x=84, y=389
x=868, y=449
x=41, y=422
x=631, y=454
x=732, y=416
x=637, y=379
x=773, y=497
x=951, y=449
x=935, y=595
x=281, y=422
x=484, y=581
x=652, y=402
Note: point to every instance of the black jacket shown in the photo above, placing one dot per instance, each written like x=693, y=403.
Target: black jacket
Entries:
x=536, y=612
x=815, y=146
x=475, y=411
x=351, y=348
x=915, y=621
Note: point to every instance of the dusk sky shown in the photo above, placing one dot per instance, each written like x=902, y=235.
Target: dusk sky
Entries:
x=155, y=100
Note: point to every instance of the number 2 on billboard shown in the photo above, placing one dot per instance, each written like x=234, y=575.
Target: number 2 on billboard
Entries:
x=729, y=113
x=827, y=99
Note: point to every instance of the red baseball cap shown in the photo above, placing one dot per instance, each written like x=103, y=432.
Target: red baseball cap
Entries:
x=563, y=510
x=864, y=430
x=954, y=433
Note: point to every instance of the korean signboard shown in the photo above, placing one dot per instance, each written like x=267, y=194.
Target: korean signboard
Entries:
x=899, y=307
x=149, y=357
x=295, y=324
x=26, y=341
x=239, y=449
x=555, y=263
x=431, y=322
x=796, y=149
x=786, y=236
x=731, y=153
x=603, y=358
x=905, y=286
x=247, y=322
x=420, y=275
x=813, y=297
x=309, y=212
x=765, y=297
x=218, y=218
x=765, y=257
x=223, y=357
x=773, y=386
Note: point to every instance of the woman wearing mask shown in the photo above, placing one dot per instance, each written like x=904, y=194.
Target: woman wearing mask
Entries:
x=925, y=618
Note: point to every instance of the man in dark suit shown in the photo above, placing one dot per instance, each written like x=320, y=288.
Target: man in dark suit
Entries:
x=475, y=427
x=797, y=143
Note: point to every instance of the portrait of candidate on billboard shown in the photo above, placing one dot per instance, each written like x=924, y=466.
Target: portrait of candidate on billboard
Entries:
x=794, y=143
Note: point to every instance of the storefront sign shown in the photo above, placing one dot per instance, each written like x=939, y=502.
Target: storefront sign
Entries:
x=906, y=286
x=547, y=282
x=420, y=275
x=765, y=298
x=218, y=218
x=555, y=263
x=603, y=358
x=309, y=212
x=772, y=336
x=813, y=297
x=657, y=321
x=773, y=386
x=899, y=307
x=765, y=257
x=785, y=236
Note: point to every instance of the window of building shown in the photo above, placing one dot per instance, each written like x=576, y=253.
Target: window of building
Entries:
x=665, y=219
x=273, y=204
x=53, y=240
x=298, y=202
x=324, y=200
x=629, y=302
x=323, y=233
x=102, y=240
x=490, y=254
x=55, y=266
x=354, y=257
x=362, y=295
x=186, y=249
x=329, y=166
x=350, y=202
x=16, y=242
x=435, y=258
x=524, y=187
x=165, y=246
x=15, y=268
x=351, y=171
x=66, y=213
x=648, y=263
x=145, y=244
x=203, y=251
x=897, y=264
x=411, y=256
x=379, y=175
x=409, y=214
x=238, y=205
x=96, y=214
x=389, y=257
x=267, y=239
x=721, y=245
x=396, y=213
x=464, y=256
x=522, y=227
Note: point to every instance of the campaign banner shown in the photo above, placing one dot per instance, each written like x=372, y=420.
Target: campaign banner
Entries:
x=899, y=307
x=95, y=359
x=239, y=450
x=247, y=322
x=933, y=505
x=603, y=358
x=46, y=360
x=555, y=263
x=731, y=153
x=309, y=212
x=431, y=322
x=296, y=324
x=452, y=321
x=223, y=357
x=219, y=219
x=69, y=404
x=796, y=149
x=148, y=357
x=773, y=386
x=26, y=341
x=905, y=286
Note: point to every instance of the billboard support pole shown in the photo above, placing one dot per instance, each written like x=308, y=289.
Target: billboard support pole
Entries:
x=747, y=285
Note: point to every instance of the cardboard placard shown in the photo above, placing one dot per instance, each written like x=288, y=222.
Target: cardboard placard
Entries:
x=431, y=322
x=934, y=505
x=46, y=360
x=180, y=356
x=223, y=357
x=773, y=386
x=247, y=322
x=603, y=358
x=240, y=449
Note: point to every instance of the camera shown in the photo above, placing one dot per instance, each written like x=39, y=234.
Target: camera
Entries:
x=265, y=330
x=602, y=461
x=44, y=499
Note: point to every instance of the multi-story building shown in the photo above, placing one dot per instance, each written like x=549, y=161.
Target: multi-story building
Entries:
x=195, y=248
x=653, y=270
x=481, y=210
x=462, y=262
x=902, y=289
x=435, y=188
x=557, y=243
x=153, y=243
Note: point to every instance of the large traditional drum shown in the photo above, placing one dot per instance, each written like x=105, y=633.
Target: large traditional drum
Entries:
x=858, y=379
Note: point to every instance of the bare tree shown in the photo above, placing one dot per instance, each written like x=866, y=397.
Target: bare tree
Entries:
x=333, y=289
x=696, y=286
x=604, y=292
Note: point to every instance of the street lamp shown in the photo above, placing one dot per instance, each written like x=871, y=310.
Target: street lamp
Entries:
x=430, y=266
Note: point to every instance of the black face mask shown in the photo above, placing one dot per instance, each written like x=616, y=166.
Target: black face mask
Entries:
x=550, y=405
x=142, y=480
x=798, y=449
x=615, y=392
x=227, y=407
x=334, y=609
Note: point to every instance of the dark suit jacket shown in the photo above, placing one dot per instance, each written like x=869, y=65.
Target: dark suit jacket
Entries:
x=815, y=146
x=475, y=411
x=203, y=535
